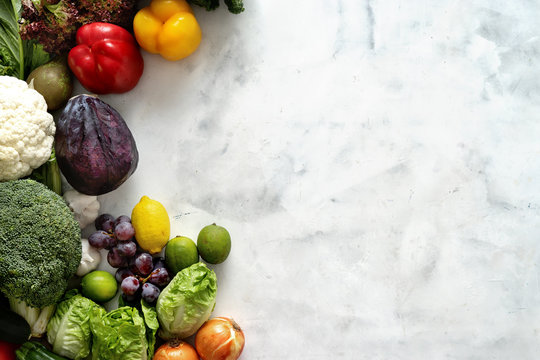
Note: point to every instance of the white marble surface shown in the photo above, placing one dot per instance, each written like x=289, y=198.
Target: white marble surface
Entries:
x=376, y=162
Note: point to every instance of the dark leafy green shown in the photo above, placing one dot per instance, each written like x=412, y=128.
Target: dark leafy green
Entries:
x=17, y=57
x=234, y=6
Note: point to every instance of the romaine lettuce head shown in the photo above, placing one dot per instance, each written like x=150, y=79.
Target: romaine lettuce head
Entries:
x=118, y=335
x=68, y=330
x=187, y=302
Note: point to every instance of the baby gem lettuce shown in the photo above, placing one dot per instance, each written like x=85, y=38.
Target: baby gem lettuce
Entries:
x=69, y=329
x=187, y=302
x=118, y=335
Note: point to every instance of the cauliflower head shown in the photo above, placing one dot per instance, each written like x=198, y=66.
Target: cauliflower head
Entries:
x=26, y=129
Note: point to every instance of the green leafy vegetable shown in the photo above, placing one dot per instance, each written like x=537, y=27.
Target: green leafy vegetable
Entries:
x=17, y=57
x=234, y=6
x=69, y=329
x=152, y=326
x=49, y=174
x=187, y=302
x=118, y=335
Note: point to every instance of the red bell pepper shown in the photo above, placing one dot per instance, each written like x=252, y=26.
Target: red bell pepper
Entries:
x=7, y=350
x=106, y=59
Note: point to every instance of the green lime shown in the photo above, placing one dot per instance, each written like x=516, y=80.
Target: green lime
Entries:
x=214, y=244
x=99, y=286
x=180, y=253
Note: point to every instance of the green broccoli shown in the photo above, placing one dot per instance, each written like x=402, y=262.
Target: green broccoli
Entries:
x=40, y=249
x=234, y=6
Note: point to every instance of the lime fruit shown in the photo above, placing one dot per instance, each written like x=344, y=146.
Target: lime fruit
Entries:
x=152, y=225
x=99, y=286
x=214, y=244
x=180, y=253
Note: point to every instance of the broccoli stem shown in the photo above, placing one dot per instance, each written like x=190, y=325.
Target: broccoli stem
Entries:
x=35, y=317
x=40, y=326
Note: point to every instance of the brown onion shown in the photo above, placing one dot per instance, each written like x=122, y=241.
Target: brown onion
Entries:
x=176, y=350
x=220, y=338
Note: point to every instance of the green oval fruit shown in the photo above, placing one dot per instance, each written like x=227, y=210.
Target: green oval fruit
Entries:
x=180, y=253
x=53, y=80
x=99, y=286
x=214, y=244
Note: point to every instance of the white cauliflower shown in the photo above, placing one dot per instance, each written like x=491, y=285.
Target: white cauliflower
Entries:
x=26, y=129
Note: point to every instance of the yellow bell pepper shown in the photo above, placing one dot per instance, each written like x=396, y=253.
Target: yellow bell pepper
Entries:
x=168, y=28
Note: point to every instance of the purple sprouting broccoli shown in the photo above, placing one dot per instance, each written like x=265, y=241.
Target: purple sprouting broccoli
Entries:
x=54, y=23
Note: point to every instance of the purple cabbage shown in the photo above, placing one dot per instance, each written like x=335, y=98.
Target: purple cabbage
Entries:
x=95, y=149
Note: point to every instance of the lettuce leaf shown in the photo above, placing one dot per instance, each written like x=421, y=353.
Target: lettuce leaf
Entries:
x=152, y=326
x=187, y=302
x=18, y=57
x=69, y=329
x=118, y=335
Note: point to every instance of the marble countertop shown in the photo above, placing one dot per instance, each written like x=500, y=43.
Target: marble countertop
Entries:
x=376, y=163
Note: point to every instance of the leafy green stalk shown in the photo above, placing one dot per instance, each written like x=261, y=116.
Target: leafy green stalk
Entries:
x=49, y=174
x=18, y=57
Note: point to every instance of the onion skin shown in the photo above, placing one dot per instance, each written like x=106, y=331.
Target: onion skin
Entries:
x=220, y=338
x=175, y=350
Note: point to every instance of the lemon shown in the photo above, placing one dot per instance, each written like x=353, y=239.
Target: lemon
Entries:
x=152, y=225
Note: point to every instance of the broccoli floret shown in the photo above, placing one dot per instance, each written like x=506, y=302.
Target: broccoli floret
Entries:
x=40, y=243
x=234, y=6
x=207, y=4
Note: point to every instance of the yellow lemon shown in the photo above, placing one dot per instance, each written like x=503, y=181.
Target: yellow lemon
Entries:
x=152, y=225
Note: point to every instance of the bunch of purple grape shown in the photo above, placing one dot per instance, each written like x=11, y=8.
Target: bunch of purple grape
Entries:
x=139, y=274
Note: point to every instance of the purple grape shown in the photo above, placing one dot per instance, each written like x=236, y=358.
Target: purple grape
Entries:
x=130, y=285
x=111, y=243
x=127, y=248
x=122, y=273
x=104, y=222
x=130, y=300
x=159, y=277
x=121, y=219
x=131, y=264
x=100, y=239
x=124, y=231
x=144, y=263
x=150, y=292
x=115, y=259
x=159, y=262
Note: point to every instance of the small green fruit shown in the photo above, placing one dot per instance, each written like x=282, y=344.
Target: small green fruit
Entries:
x=214, y=244
x=99, y=286
x=180, y=252
x=53, y=80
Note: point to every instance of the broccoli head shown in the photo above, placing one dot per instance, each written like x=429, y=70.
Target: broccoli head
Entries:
x=40, y=243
